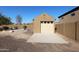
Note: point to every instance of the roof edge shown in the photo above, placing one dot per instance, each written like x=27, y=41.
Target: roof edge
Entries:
x=76, y=8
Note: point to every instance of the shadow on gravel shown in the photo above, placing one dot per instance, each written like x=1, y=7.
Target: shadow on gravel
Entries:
x=28, y=32
x=10, y=44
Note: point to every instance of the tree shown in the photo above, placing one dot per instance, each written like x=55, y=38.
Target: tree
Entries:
x=33, y=19
x=18, y=19
x=5, y=20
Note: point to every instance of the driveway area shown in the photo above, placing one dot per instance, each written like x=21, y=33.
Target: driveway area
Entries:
x=47, y=38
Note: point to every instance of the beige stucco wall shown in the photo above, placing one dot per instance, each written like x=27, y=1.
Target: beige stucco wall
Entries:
x=21, y=26
x=77, y=31
x=59, y=28
x=70, y=19
x=66, y=29
x=69, y=30
x=37, y=24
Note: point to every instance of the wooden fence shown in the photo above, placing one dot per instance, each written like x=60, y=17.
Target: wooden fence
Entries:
x=70, y=30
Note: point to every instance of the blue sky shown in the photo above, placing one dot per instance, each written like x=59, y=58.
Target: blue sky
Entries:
x=30, y=12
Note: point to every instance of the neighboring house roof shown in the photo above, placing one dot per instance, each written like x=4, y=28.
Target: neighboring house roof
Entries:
x=75, y=9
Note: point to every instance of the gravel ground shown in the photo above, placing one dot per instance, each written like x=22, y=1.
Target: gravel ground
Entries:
x=12, y=41
x=17, y=42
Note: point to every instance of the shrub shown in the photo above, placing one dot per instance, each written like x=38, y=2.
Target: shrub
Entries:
x=25, y=27
x=15, y=27
x=5, y=28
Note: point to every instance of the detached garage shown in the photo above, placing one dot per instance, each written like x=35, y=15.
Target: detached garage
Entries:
x=43, y=24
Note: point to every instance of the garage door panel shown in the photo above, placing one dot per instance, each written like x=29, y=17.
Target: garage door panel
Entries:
x=47, y=27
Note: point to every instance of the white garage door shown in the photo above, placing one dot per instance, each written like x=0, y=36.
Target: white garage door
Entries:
x=47, y=27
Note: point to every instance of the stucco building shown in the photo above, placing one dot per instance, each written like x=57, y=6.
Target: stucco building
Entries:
x=69, y=24
x=43, y=24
